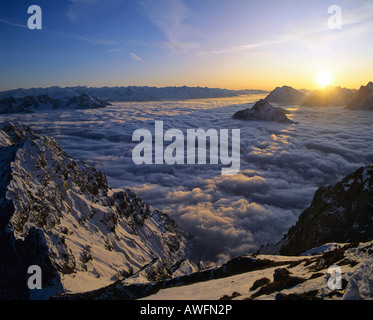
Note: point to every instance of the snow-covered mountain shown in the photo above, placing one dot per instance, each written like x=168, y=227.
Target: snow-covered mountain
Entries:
x=329, y=96
x=363, y=99
x=132, y=93
x=333, y=235
x=262, y=111
x=286, y=95
x=30, y=104
x=61, y=215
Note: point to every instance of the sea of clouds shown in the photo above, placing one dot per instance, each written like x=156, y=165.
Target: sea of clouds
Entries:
x=282, y=165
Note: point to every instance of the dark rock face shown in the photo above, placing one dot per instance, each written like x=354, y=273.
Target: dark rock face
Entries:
x=286, y=95
x=259, y=283
x=339, y=213
x=281, y=280
x=363, y=99
x=263, y=111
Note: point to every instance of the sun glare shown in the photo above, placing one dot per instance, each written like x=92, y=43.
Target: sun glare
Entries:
x=324, y=78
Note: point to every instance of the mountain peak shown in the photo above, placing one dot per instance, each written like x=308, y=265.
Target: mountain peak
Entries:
x=363, y=99
x=61, y=215
x=263, y=111
x=286, y=95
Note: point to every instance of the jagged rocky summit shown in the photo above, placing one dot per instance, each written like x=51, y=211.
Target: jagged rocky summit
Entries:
x=61, y=215
x=263, y=111
x=339, y=213
x=363, y=99
x=30, y=104
x=286, y=95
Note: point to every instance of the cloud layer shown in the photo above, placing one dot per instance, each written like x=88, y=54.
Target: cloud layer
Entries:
x=281, y=165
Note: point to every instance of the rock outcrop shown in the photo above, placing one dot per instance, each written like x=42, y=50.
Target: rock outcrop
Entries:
x=263, y=111
x=338, y=213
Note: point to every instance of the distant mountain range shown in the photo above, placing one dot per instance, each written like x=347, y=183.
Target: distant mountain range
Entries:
x=330, y=96
x=361, y=99
x=30, y=104
x=80, y=97
x=131, y=93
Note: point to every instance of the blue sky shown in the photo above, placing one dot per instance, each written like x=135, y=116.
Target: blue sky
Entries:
x=217, y=43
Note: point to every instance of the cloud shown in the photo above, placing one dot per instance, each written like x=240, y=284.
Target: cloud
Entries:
x=77, y=7
x=114, y=50
x=281, y=165
x=88, y=39
x=135, y=57
x=169, y=16
x=13, y=23
x=312, y=32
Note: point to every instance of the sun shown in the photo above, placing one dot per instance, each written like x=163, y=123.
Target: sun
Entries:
x=324, y=78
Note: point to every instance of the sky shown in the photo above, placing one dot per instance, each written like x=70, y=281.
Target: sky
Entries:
x=233, y=44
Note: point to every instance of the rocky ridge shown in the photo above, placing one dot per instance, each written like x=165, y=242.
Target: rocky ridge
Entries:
x=61, y=215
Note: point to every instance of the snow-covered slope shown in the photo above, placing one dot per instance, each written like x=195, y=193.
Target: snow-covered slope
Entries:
x=262, y=277
x=30, y=104
x=286, y=95
x=132, y=93
x=61, y=215
x=363, y=99
x=262, y=111
x=286, y=278
x=13, y=132
x=305, y=269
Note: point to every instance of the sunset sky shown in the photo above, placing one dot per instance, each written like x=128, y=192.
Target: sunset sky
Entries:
x=234, y=44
